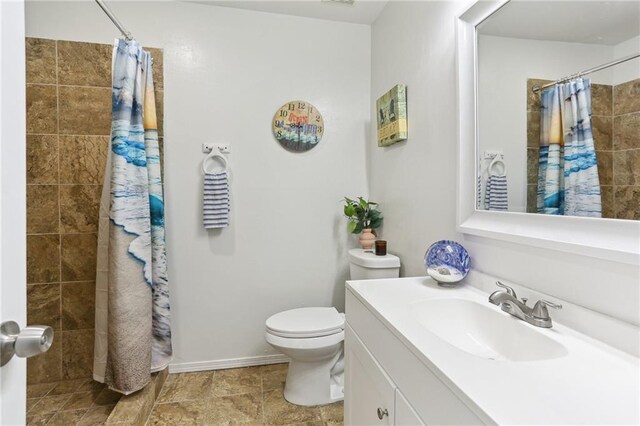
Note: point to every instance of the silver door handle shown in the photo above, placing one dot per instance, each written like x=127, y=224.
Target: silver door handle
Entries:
x=30, y=341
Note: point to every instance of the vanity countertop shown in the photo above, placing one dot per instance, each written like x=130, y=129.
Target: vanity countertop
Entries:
x=593, y=383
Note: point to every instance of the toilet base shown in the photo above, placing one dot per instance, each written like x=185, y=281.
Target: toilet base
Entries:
x=315, y=383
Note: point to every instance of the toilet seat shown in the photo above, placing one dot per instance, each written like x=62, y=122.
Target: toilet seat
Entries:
x=305, y=343
x=306, y=323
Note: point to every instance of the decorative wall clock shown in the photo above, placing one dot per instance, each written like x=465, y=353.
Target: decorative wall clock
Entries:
x=298, y=126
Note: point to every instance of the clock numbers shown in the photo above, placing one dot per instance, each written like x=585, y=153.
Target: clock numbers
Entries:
x=298, y=126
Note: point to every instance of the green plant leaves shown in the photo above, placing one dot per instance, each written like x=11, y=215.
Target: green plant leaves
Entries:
x=376, y=223
x=349, y=210
x=364, y=204
x=362, y=214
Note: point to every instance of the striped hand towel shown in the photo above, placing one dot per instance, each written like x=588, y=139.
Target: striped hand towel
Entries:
x=496, y=195
x=479, y=202
x=215, y=200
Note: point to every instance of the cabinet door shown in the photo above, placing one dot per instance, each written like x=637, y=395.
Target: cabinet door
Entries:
x=405, y=415
x=369, y=396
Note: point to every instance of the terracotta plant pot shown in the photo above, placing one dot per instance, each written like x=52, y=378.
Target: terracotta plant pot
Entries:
x=367, y=239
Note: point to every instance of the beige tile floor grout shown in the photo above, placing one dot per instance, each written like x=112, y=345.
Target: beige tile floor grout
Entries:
x=79, y=401
x=250, y=395
x=229, y=397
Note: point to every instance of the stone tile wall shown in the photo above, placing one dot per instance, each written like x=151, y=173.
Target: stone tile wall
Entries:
x=68, y=126
x=626, y=150
x=615, y=123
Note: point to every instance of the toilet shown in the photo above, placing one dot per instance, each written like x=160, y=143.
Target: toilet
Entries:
x=313, y=338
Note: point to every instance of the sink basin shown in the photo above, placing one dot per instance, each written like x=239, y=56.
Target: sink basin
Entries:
x=483, y=331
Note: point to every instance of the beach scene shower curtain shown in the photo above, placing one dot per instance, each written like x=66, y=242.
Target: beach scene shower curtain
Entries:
x=133, y=333
x=568, y=182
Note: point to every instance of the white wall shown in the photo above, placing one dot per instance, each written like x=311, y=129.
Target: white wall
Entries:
x=415, y=181
x=226, y=73
x=505, y=64
x=629, y=70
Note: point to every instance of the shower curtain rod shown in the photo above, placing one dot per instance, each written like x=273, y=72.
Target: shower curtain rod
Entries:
x=127, y=35
x=537, y=88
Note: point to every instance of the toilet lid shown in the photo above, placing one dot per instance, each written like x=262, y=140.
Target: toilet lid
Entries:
x=306, y=322
x=368, y=259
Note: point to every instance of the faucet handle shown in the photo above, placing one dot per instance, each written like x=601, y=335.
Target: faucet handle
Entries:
x=510, y=290
x=540, y=309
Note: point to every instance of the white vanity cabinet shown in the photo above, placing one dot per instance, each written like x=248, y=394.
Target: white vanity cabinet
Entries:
x=384, y=379
x=369, y=392
x=400, y=362
x=405, y=414
x=371, y=398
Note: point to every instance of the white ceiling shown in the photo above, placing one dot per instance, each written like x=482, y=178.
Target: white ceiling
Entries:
x=359, y=12
x=595, y=22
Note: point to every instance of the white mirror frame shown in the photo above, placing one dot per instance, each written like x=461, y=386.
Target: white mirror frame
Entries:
x=610, y=239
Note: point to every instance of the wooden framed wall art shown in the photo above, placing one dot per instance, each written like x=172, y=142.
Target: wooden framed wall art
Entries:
x=391, y=112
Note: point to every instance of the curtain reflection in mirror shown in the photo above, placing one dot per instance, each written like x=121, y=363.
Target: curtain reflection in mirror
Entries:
x=568, y=182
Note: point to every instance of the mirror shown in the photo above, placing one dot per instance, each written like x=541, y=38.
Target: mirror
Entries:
x=571, y=148
x=615, y=240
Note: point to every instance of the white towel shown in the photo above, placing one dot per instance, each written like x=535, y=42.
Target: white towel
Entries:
x=496, y=195
x=215, y=200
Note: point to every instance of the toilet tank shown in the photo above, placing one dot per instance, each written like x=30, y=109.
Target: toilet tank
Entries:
x=365, y=265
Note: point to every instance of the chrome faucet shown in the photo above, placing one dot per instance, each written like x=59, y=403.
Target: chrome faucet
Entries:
x=508, y=302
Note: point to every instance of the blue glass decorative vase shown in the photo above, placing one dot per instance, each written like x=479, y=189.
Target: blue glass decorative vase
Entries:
x=447, y=262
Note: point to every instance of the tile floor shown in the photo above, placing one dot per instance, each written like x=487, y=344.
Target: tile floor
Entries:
x=69, y=402
x=251, y=395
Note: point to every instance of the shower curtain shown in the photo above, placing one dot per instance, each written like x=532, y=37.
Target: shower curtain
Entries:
x=568, y=182
x=133, y=334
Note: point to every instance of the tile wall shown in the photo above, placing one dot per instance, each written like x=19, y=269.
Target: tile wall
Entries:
x=616, y=130
x=626, y=150
x=68, y=126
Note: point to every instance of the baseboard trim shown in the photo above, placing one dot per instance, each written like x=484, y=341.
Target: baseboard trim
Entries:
x=220, y=364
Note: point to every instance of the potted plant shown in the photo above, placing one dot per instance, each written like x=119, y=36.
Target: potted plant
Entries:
x=364, y=218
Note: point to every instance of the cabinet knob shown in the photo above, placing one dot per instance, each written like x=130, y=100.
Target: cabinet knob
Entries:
x=382, y=413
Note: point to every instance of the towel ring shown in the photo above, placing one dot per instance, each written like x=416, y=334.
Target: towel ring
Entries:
x=222, y=158
x=497, y=161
